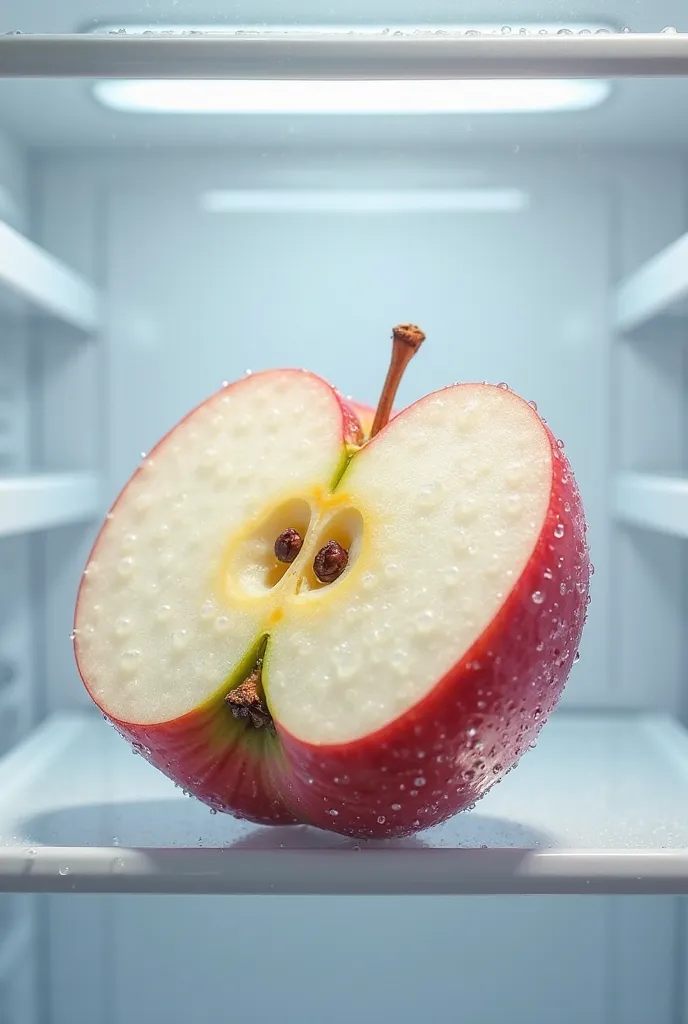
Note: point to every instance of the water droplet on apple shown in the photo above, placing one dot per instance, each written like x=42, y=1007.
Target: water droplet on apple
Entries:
x=420, y=781
x=399, y=661
x=577, y=657
x=73, y=634
x=213, y=810
x=471, y=732
x=429, y=496
x=381, y=819
x=346, y=660
x=333, y=812
x=426, y=622
x=562, y=589
x=368, y=581
x=129, y=659
x=180, y=639
x=221, y=624
x=207, y=610
x=396, y=807
x=540, y=647
x=537, y=597
x=247, y=373
x=502, y=384
x=392, y=571
x=465, y=510
x=559, y=531
x=533, y=405
x=143, y=502
x=163, y=613
x=126, y=566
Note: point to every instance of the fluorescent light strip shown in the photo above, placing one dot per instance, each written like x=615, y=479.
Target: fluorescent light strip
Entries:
x=487, y=200
x=350, y=97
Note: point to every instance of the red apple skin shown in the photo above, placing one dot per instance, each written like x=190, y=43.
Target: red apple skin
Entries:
x=443, y=754
x=472, y=728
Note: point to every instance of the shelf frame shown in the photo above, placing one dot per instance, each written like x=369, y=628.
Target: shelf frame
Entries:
x=336, y=55
x=652, y=502
x=45, y=500
x=654, y=289
x=45, y=282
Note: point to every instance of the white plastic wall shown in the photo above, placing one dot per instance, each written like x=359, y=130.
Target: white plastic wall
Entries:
x=195, y=298
x=19, y=979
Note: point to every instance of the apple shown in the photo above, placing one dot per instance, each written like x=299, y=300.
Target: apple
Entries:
x=298, y=620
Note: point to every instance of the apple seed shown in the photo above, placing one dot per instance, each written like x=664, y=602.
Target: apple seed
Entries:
x=288, y=545
x=330, y=562
x=246, y=701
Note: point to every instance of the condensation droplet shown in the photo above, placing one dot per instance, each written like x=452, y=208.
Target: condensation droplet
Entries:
x=381, y=819
x=64, y=870
x=180, y=639
x=396, y=807
x=221, y=624
x=207, y=610
x=126, y=566
x=123, y=626
x=559, y=531
x=399, y=661
x=392, y=571
x=537, y=597
x=420, y=781
x=368, y=581
x=465, y=510
x=429, y=496
x=163, y=613
x=425, y=622
x=130, y=659
x=548, y=574
x=333, y=812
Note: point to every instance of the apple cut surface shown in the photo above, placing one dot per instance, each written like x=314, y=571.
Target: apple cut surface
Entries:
x=400, y=691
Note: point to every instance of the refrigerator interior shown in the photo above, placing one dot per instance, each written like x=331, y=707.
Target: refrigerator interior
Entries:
x=146, y=258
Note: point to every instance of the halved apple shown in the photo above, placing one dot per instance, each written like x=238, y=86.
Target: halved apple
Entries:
x=395, y=693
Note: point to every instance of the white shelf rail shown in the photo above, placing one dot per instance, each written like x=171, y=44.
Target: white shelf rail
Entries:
x=655, y=288
x=45, y=282
x=42, y=501
x=653, y=502
x=337, y=55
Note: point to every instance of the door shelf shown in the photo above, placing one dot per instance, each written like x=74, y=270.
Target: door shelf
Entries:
x=659, y=287
x=599, y=806
x=43, y=501
x=32, y=275
x=653, y=502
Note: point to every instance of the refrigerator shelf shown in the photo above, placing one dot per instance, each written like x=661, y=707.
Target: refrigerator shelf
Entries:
x=42, y=501
x=599, y=806
x=653, y=502
x=659, y=287
x=336, y=55
x=29, y=273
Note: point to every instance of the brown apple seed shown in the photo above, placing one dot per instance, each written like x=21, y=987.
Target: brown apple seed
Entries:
x=330, y=562
x=288, y=545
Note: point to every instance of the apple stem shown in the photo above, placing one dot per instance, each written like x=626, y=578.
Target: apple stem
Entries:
x=406, y=340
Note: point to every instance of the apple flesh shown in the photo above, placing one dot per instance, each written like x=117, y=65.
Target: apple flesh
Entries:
x=396, y=695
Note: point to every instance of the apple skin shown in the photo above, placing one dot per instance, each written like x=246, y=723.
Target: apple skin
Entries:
x=439, y=757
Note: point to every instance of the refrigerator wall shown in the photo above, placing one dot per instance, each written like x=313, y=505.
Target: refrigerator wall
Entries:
x=193, y=297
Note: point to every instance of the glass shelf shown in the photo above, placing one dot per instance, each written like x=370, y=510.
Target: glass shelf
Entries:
x=599, y=806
